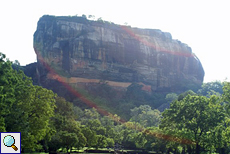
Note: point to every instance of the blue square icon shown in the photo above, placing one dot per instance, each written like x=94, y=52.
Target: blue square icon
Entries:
x=10, y=142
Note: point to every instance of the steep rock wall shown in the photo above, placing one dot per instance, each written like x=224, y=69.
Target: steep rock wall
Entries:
x=79, y=48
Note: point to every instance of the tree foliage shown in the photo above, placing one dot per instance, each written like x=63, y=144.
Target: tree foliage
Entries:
x=145, y=116
x=192, y=118
x=24, y=107
x=194, y=123
x=211, y=88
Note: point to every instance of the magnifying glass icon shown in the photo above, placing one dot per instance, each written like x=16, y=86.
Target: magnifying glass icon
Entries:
x=9, y=141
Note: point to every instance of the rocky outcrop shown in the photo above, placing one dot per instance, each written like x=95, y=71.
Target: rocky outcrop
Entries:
x=77, y=49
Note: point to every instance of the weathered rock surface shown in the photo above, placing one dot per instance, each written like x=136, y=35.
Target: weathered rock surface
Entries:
x=76, y=49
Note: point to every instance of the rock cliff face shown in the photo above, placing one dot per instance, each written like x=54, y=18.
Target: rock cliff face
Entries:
x=76, y=50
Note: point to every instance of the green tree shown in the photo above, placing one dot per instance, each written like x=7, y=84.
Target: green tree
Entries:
x=90, y=114
x=84, y=16
x=8, y=82
x=153, y=141
x=110, y=142
x=39, y=113
x=68, y=140
x=100, y=19
x=64, y=121
x=91, y=138
x=30, y=115
x=226, y=96
x=136, y=95
x=107, y=122
x=135, y=113
x=101, y=142
x=117, y=134
x=211, y=88
x=224, y=129
x=128, y=138
x=82, y=140
x=184, y=94
x=140, y=140
x=192, y=117
x=145, y=116
x=78, y=112
x=171, y=97
x=23, y=107
x=91, y=17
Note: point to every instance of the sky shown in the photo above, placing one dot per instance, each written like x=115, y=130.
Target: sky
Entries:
x=202, y=25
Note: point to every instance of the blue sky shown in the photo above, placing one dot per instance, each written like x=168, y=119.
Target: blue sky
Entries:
x=203, y=25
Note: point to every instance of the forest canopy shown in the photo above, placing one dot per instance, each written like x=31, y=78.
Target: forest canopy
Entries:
x=195, y=122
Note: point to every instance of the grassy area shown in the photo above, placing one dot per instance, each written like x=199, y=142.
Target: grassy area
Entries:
x=74, y=150
x=36, y=153
x=83, y=149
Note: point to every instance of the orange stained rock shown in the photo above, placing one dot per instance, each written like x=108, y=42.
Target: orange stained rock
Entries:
x=72, y=80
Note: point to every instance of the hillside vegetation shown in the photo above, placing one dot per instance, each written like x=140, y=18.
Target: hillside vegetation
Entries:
x=195, y=122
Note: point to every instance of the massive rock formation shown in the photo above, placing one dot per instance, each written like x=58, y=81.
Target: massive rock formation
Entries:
x=79, y=51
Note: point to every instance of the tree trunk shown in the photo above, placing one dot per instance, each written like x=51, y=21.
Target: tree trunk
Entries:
x=169, y=150
x=189, y=150
x=222, y=150
x=183, y=150
x=197, y=148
